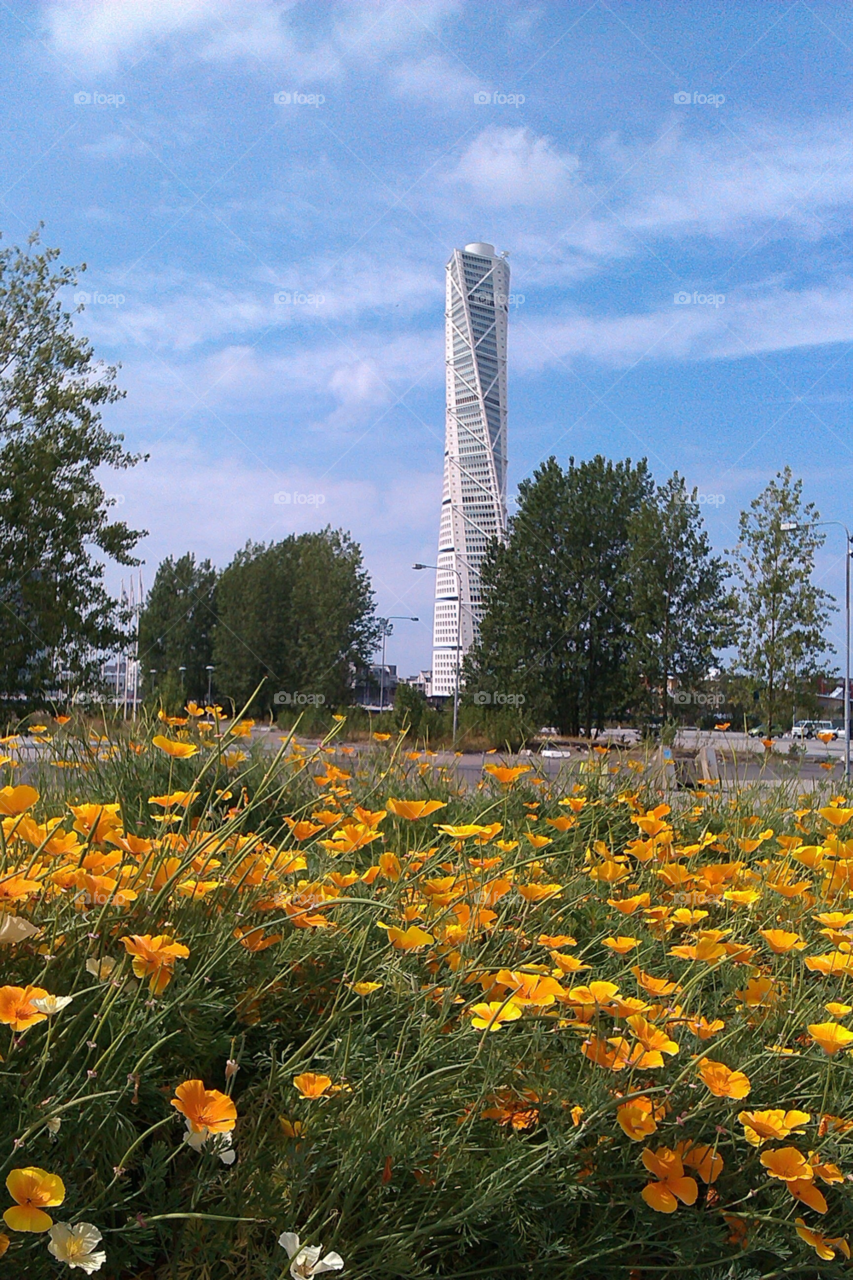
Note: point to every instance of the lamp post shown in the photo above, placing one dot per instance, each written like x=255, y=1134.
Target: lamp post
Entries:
x=387, y=630
x=183, y=672
x=451, y=569
x=209, y=670
x=788, y=526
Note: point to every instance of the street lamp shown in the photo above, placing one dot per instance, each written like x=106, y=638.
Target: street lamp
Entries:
x=452, y=569
x=788, y=526
x=183, y=672
x=209, y=670
x=387, y=630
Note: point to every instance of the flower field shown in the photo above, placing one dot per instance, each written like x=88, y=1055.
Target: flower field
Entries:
x=269, y=1014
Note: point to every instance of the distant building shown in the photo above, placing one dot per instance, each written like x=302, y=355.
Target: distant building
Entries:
x=473, y=508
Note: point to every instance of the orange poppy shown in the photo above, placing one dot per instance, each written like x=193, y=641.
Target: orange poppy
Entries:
x=33, y=1190
x=722, y=1081
x=16, y=1008
x=672, y=1185
x=205, y=1108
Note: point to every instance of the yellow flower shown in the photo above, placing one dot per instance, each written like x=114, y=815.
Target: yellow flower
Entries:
x=831, y=1036
x=179, y=750
x=621, y=945
x=16, y=800
x=764, y=1126
x=311, y=1085
x=33, y=1190
x=492, y=1015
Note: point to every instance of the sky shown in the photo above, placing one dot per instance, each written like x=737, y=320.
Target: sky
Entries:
x=266, y=194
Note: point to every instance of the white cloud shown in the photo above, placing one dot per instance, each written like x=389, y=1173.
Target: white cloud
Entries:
x=102, y=35
x=437, y=80
x=511, y=166
x=744, y=325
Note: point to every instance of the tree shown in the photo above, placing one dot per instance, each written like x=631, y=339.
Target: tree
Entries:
x=176, y=626
x=55, y=529
x=297, y=615
x=782, y=614
x=557, y=595
x=680, y=604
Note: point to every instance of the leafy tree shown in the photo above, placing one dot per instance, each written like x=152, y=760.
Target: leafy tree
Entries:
x=410, y=708
x=680, y=604
x=298, y=615
x=176, y=626
x=557, y=595
x=55, y=527
x=782, y=614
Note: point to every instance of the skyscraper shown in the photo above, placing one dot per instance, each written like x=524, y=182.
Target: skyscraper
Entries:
x=473, y=507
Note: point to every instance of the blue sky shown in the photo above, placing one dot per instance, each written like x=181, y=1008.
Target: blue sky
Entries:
x=271, y=273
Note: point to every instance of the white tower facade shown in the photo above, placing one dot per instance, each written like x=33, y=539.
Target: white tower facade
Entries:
x=473, y=507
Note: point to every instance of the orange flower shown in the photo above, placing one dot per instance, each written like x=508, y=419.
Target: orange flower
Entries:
x=672, y=1185
x=723, y=1082
x=824, y=1246
x=761, y=1126
x=627, y=906
x=411, y=810
x=16, y=800
x=621, y=945
x=650, y=1036
x=831, y=1036
x=782, y=941
x=178, y=750
x=311, y=1085
x=154, y=958
x=638, y=1118
x=704, y=1029
x=788, y=1164
x=303, y=830
x=492, y=1015
x=704, y=1159
x=654, y=986
x=204, y=1108
x=504, y=775
x=16, y=1009
x=32, y=1190
x=255, y=940
x=408, y=939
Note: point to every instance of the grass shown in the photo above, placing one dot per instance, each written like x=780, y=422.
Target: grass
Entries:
x=437, y=985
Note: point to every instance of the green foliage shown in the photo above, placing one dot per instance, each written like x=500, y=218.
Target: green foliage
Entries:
x=604, y=588
x=782, y=613
x=55, y=526
x=679, y=603
x=176, y=628
x=296, y=615
x=445, y=1151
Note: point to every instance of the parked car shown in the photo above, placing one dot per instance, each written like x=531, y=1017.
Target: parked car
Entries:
x=761, y=731
x=803, y=729
x=824, y=727
x=555, y=753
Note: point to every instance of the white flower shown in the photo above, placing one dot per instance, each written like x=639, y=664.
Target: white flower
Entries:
x=220, y=1143
x=51, y=1004
x=306, y=1262
x=15, y=929
x=77, y=1245
x=101, y=969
